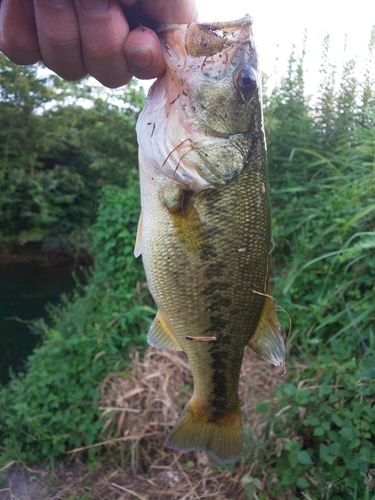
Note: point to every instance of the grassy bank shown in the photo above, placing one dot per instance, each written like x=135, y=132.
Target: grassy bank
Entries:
x=54, y=405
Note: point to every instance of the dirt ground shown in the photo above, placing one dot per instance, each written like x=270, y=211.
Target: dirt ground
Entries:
x=22, y=484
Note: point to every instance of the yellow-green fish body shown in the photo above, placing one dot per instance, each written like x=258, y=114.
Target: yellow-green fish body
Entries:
x=204, y=232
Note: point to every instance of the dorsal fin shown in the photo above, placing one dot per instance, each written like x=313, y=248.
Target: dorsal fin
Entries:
x=160, y=335
x=138, y=240
x=267, y=340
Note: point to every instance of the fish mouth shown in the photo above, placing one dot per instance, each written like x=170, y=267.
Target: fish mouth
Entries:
x=209, y=39
x=212, y=47
x=208, y=62
x=205, y=39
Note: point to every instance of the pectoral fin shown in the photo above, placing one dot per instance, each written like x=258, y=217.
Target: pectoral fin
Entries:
x=160, y=335
x=267, y=340
x=138, y=240
x=187, y=224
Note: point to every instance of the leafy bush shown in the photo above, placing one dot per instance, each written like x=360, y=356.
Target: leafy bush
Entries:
x=320, y=435
x=53, y=407
x=116, y=271
x=56, y=154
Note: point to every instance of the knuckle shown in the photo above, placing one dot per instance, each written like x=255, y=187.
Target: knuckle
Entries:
x=100, y=53
x=62, y=43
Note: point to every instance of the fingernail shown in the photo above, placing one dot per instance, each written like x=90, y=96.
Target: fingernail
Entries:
x=95, y=6
x=140, y=58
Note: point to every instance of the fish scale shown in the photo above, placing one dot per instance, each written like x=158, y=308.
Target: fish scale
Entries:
x=204, y=233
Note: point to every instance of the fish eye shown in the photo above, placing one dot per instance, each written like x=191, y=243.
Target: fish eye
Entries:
x=245, y=80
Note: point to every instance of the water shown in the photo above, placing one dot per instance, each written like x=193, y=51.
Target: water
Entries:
x=25, y=289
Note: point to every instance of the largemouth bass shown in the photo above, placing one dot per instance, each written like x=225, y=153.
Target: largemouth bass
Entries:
x=204, y=231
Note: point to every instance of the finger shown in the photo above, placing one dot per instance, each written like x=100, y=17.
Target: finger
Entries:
x=59, y=38
x=142, y=48
x=144, y=54
x=18, y=34
x=103, y=30
x=171, y=11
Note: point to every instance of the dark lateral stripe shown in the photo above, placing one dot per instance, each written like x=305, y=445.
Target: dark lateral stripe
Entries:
x=218, y=305
x=217, y=324
x=219, y=358
x=215, y=287
x=214, y=270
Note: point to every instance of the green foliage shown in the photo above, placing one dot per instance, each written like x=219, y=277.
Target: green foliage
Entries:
x=53, y=407
x=59, y=144
x=319, y=439
x=116, y=270
x=328, y=233
x=368, y=84
x=326, y=113
x=287, y=119
x=320, y=436
x=251, y=486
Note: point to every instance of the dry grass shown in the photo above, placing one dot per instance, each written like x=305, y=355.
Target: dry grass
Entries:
x=142, y=405
x=139, y=408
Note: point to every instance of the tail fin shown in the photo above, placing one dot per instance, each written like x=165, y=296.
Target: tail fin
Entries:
x=221, y=439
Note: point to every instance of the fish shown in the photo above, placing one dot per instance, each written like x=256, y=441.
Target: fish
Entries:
x=204, y=231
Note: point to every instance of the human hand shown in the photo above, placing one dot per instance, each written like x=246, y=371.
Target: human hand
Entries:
x=76, y=37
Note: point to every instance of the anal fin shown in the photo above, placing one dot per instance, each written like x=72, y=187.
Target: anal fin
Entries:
x=267, y=341
x=160, y=335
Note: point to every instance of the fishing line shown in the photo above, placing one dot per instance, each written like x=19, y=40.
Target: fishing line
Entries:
x=281, y=309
